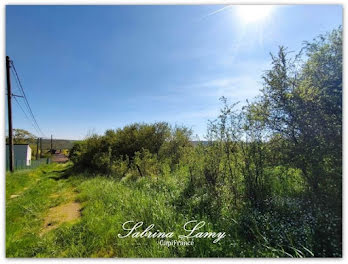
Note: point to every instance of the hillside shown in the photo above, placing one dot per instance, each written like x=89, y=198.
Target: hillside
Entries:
x=58, y=143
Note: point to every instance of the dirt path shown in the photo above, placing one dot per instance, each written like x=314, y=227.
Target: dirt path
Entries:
x=63, y=213
x=59, y=158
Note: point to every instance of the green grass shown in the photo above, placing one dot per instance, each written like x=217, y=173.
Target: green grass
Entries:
x=106, y=203
x=25, y=213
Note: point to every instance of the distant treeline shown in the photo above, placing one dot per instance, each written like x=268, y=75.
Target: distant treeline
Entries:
x=58, y=143
x=22, y=136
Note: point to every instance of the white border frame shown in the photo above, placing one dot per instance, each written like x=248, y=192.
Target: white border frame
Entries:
x=148, y=2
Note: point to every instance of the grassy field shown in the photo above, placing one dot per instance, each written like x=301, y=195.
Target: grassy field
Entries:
x=29, y=196
x=52, y=212
x=39, y=221
x=34, y=228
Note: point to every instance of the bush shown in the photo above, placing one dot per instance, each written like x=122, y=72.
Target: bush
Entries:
x=136, y=147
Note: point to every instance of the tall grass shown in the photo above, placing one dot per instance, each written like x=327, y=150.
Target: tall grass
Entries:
x=163, y=201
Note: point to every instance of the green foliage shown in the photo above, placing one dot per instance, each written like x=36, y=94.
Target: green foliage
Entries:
x=140, y=145
x=302, y=108
x=173, y=147
x=25, y=213
x=58, y=144
x=269, y=175
x=303, y=104
x=21, y=136
x=285, y=181
x=284, y=229
x=146, y=163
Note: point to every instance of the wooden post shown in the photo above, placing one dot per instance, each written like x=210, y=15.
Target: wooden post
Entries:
x=9, y=104
x=40, y=148
x=37, y=148
x=51, y=144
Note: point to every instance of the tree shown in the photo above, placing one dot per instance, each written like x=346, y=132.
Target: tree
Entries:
x=302, y=102
x=21, y=136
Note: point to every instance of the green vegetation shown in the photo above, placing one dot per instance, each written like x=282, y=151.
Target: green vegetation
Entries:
x=58, y=144
x=269, y=175
x=27, y=200
x=22, y=136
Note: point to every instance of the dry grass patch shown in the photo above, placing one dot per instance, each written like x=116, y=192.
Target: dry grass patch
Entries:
x=58, y=215
x=68, y=211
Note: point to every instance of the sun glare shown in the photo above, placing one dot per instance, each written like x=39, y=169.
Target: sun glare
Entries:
x=253, y=13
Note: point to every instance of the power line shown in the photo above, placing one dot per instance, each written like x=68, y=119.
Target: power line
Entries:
x=26, y=115
x=15, y=97
x=22, y=109
x=26, y=100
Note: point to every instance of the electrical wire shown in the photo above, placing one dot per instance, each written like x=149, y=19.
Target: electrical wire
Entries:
x=26, y=100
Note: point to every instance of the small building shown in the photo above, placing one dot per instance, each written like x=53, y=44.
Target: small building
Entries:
x=22, y=154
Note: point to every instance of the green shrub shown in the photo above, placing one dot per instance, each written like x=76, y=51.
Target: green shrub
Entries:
x=138, y=147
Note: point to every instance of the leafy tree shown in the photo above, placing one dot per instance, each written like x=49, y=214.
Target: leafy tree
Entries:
x=302, y=108
x=22, y=136
x=302, y=103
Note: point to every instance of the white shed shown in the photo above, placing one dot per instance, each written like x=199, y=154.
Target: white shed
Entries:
x=22, y=153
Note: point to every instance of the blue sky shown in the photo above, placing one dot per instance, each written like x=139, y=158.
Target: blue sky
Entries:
x=91, y=68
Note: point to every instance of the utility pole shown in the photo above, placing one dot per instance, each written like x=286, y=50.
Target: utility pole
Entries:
x=51, y=144
x=9, y=104
x=40, y=148
x=37, y=148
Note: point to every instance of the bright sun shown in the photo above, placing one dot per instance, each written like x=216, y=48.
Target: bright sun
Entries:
x=253, y=13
